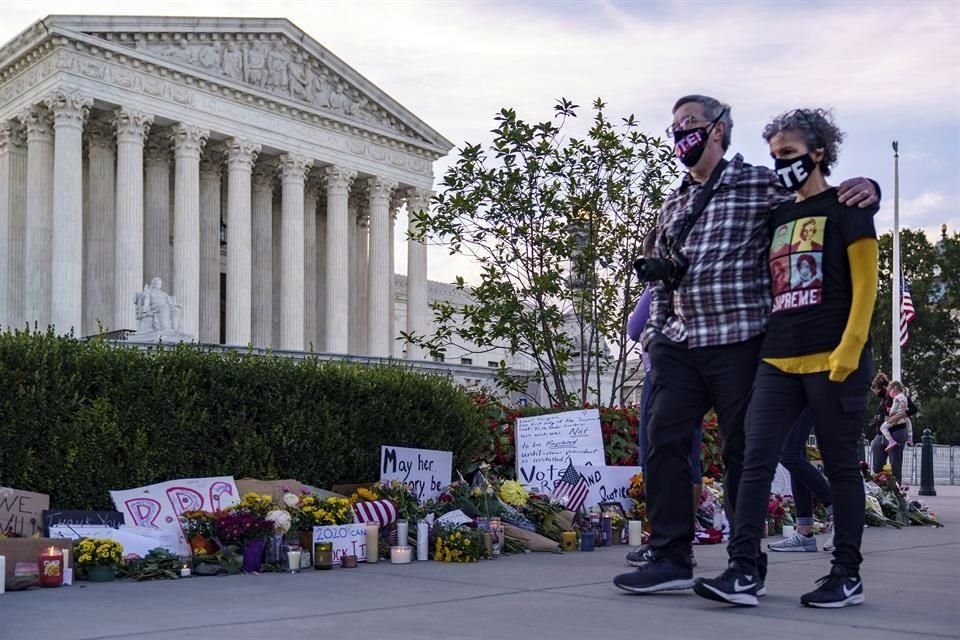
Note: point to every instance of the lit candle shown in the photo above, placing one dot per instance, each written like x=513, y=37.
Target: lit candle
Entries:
x=403, y=532
x=323, y=555
x=185, y=571
x=569, y=540
x=401, y=555
x=293, y=561
x=373, y=542
x=50, y=564
x=635, y=533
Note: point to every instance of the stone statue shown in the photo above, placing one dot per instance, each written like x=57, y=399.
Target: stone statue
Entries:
x=256, y=65
x=159, y=316
x=301, y=78
x=233, y=62
x=277, y=70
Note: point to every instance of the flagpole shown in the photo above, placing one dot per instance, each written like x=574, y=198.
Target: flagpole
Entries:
x=895, y=315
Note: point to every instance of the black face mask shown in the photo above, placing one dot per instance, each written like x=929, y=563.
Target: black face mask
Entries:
x=793, y=173
x=690, y=144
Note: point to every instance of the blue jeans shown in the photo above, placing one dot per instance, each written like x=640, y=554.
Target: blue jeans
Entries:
x=645, y=409
x=805, y=479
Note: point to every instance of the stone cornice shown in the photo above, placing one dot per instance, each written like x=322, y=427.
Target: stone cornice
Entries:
x=65, y=32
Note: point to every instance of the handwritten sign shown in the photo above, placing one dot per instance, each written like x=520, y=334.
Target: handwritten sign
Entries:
x=608, y=484
x=427, y=471
x=138, y=541
x=21, y=511
x=347, y=539
x=68, y=518
x=159, y=505
x=547, y=444
x=455, y=517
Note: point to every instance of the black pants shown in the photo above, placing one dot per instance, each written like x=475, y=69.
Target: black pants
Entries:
x=880, y=454
x=778, y=398
x=686, y=383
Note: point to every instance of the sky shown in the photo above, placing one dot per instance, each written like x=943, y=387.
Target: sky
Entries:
x=889, y=70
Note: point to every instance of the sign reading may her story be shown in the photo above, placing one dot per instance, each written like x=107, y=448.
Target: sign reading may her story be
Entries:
x=427, y=471
x=160, y=505
x=547, y=444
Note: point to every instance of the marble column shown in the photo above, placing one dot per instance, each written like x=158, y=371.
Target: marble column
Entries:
x=241, y=154
x=11, y=150
x=363, y=275
x=211, y=165
x=158, y=227
x=70, y=110
x=262, y=260
x=338, y=181
x=353, y=291
x=16, y=230
x=321, y=247
x=275, y=256
x=38, y=230
x=378, y=318
x=417, y=305
x=98, y=236
x=293, y=170
x=396, y=346
x=188, y=141
x=311, y=340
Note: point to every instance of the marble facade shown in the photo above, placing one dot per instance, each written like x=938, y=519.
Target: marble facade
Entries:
x=233, y=154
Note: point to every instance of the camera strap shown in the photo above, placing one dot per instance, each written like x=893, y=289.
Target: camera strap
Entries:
x=703, y=199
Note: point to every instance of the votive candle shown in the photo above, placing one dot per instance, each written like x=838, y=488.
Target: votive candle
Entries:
x=185, y=571
x=293, y=560
x=569, y=540
x=50, y=564
x=635, y=533
x=403, y=533
x=401, y=554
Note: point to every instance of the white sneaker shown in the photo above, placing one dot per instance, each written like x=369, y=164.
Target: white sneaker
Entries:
x=796, y=542
x=828, y=546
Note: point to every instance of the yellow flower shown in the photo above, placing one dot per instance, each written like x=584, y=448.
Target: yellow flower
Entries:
x=512, y=492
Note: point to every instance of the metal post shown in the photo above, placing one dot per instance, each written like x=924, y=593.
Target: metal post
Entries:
x=926, y=465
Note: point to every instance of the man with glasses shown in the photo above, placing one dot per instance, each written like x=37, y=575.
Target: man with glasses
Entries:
x=708, y=312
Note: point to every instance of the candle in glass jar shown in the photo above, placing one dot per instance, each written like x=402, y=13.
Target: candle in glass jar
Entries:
x=293, y=560
x=587, y=540
x=569, y=540
x=50, y=564
x=635, y=533
x=373, y=543
x=185, y=571
x=323, y=555
x=423, y=540
x=3, y=574
x=606, y=526
x=403, y=533
x=401, y=554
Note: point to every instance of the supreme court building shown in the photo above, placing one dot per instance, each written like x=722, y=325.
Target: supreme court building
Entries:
x=253, y=171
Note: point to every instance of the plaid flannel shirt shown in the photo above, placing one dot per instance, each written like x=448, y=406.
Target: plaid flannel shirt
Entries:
x=724, y=298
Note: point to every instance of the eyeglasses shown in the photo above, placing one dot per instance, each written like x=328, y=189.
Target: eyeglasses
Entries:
x=683, y=125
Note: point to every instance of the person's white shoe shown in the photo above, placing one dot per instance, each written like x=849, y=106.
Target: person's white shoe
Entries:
x=828, y=546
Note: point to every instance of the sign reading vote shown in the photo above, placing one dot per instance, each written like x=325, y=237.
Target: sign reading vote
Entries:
x=428, y=472
x=608, y=484
x=347, y=539
x=20, y=511
x=547, y=444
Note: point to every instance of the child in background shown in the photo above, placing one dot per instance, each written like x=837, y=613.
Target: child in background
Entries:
x=897, y=415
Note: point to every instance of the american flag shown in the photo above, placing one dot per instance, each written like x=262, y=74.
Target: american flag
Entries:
x=571, y=489
x=907, y=312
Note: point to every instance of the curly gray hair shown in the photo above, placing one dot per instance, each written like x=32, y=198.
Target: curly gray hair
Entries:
x=817, y=129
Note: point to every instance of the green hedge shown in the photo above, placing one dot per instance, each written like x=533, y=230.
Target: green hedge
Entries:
x=78, y=418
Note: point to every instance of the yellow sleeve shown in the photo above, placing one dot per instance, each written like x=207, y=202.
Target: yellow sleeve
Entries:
x=842, y=361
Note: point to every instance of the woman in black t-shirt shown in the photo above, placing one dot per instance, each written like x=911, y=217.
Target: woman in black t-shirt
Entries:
x=815, y=354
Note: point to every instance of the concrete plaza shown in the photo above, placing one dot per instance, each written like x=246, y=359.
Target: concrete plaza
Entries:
x=911, y=576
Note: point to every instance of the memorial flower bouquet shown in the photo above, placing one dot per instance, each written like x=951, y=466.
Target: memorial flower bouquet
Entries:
x=638, y=495
x=237, y=526
x=778, y=513
x=199, y=528
x=301, y=509
x=456, y=544
x=99, y=552
x=331, y=511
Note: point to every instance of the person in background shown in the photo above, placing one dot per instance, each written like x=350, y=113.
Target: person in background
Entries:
x=878, y=446
x=897, y=415
x=816, y=354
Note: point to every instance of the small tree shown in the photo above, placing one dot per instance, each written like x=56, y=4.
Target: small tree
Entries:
x=555, y=224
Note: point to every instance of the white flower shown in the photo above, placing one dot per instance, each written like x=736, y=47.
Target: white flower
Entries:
x=280, y=520
x=290, y=500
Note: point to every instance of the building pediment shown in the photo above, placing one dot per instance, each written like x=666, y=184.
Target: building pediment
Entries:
x=264, y=56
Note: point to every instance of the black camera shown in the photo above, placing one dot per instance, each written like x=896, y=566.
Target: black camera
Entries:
x=669, y=271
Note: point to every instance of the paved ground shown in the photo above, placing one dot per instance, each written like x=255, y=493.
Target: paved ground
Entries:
x=912, y=577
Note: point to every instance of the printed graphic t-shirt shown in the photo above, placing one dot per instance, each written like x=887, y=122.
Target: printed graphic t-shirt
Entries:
x=810, y=273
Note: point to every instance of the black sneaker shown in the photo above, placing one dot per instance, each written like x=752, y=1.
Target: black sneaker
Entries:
x=836, y=590
x=732, y=586
x=655, y=575
x=639, y=555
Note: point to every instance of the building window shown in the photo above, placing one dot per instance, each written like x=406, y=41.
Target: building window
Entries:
x=466, y=360
x=438, y=358
x=493, y=363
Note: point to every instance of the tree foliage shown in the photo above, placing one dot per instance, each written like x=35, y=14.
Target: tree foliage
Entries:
x=930, y=360
x=555, y=222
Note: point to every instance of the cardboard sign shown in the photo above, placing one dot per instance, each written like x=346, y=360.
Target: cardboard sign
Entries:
x=159, y=505
x=138, y=541
x=608, y=484
x=427, y=471
x=547, y=444
x=22, y=511
x=275, y=488
x=66, y=518
x=347, y=539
